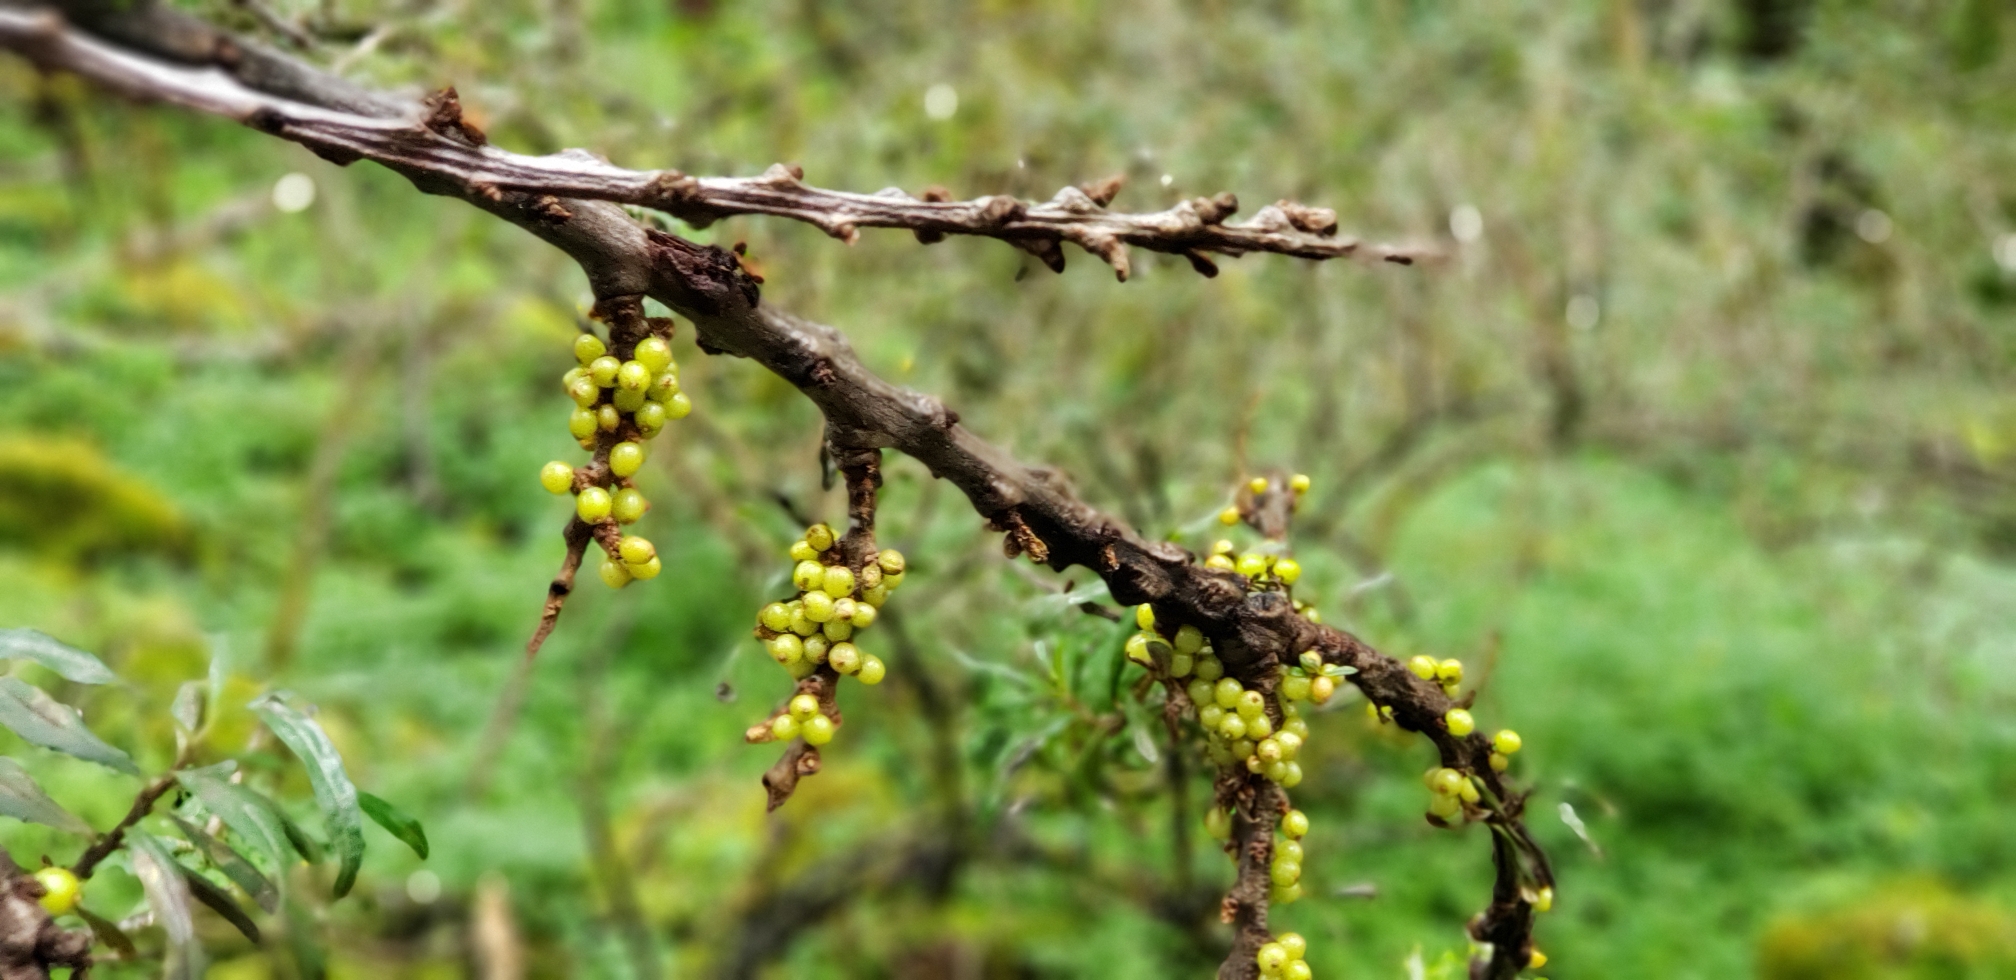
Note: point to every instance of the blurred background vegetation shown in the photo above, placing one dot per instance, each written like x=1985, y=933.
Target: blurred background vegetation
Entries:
x=1701, y=450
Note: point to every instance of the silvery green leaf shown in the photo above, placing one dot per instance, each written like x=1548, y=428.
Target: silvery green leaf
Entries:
x=188, y=706
x=168, y=896
x=72, y=663
x=41, y=719
x=395, y=822
x=341, y=813
x=249, y=815
x=234, y=865
x=21, y=799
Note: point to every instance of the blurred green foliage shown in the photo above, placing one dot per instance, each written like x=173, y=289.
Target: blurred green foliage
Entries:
x=1701, y=451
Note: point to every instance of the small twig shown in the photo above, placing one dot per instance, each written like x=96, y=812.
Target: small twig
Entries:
x=103, y=847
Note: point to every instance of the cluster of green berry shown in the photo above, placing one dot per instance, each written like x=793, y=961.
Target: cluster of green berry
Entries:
x=620, y=404
x=1452, y=791
x=1283, y=959
x=817, y=628
x=1297, y=484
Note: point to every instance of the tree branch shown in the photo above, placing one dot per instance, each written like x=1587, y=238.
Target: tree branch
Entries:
x=430, y=145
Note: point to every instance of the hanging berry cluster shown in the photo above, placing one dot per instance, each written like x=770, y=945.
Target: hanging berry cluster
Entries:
x=618, y=406
x=812, y=636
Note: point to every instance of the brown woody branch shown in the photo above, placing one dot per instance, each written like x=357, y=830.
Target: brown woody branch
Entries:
x=562, y=200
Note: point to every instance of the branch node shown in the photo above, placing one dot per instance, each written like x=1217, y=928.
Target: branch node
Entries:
x=1102, y=192
x=444, y=117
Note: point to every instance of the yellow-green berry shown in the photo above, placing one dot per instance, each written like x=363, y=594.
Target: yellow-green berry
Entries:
x=775, y=617
x=1507, y=742
x=592, y=504
x=1292, y=777
x=1258, y=726
x=1189, y=639
x=816, y=647
x=1218, y=823
x=1295, y=824
x=1257, y=485
x=603, y=369
x=581, y=424
x=60, y=890
x=1137, y=650
x=1219, y=563
x=678, y=406
x=1251, y=564
x=816, y=730
x=1226, y=693
x=800, y=551
x=1285, y=873
x=650, y=418
x=1543, y=900
x=864, y=616
x=818, y=606
x=872, y=670
x=803, y=706
x=1232, y=728
x=837, y=628
x=1287, y=570
x=1289, y=849
x=607, y=418
x=1229, y=516
x=614, y=575
x=1500, y=762
x=663, y=388
x=784, y=728
x=1296, y=969
x=626, y=458
x=556, y=477
x=627, y=505
x=1210, y=715
x=1144, y=616
x=1209, y=668
x=838, y=581
x=785, y=648
x=819, y=536
x=892, y=561
x=844, y=657
x=584, y=391
x=1299, y=483
x=1459, y=721
x=1180, y=664
x=1293, y=942
x=1422, y=666
x=635, y=550
x=654, y=353
x=1295, y=687
x=1446, y=782
x=808, y=576
x=628, y=400
x=1250, y=704
x=1291, y=743
x=1321, y=687
x=646, y=571
x=1271, y=959
x=588, y=347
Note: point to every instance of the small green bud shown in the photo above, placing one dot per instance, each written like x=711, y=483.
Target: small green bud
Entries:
x=592, y=504
x=556, y=477
x=626, y=458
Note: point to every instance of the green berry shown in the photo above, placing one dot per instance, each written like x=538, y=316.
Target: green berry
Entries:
x=816, y=730
x=892, y=561
x=1209, y=668
x=1543, y=901
x=1249, y=704
x=654, y=353
x=1285, y=873
x=800, y=551
x=819, y=536
x=872, y=670
x=863, y=615
x=663, y=388
x=604, y=369
x=1293, y=942
x=837, y=628
x=1500, y=762
x=1144, y=616
x=808, y=576
x=607, y=418
x=799, y=624
x=1296, y=969
x=573, y=374
x=1199, y=690
x=1296, y=727
x=1211, y=716
x=1295, y=687
x=1181, y=664
x=1289, y=849
x=803, y=706
x=1229, y=516
x=839, y=581
x=1459, y=721
x=627, y=505
x=1449, y=672
x=892, y=581
x=775, y=617
x=1422, y=667
x=633, y=376
x=818, y=607
x=581, y=424
x=650, y=418
x=1251, y=565
x=647, y=570
x=1295, y=824
x=1299, y=483
x=592, y=504
x=1189, y=639
x=784, y=728
x=875, y=596
x=1220, y=563
x=614, y=575
x=1446, y=807
x=1321, y=687
x=1226, y=693
x=1259, y=727
x=1468, y=791
x=1271, y=959
x=1507, y=742
x=844, y=658
x=1292, y=777
x=627, y=400
x=678, y=406
x=1218, y=823
x=1257, y=485
x=635, y=550
x=584, y=391
x=844, y=608
x=556, y=477
x=588, y=347
x=60, y=890
x=1232, y=728
x=785, y=648
x=816, y=647
x=1291, y=743
x=626, y=458
x=1137, y=650
x=1267, y=751
x=1446, y=782
x=1287, y=570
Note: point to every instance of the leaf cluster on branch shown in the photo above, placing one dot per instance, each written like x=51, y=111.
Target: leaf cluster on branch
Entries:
x=574, y=201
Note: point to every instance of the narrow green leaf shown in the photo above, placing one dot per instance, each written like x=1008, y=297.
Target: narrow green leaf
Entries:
x=188, y=706
x=251, y=816
x=168, y=895
x=47, y=722
x=21, y=799
x=305, y=845
x=395, y=822
x=234, y=865
x=220, y=901
x=72, y=663
x=108, y=932
x=333, y=790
